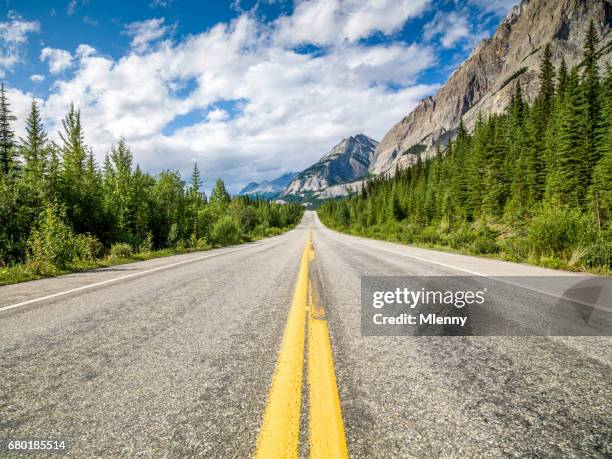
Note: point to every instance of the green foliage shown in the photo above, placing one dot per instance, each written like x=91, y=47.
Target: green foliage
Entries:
x=226, y=231
x=7, y=135
x=121, y=250
x=52, y=243
x=88, y=211
x=531, y=184
x=559, y=230
x=88, y=247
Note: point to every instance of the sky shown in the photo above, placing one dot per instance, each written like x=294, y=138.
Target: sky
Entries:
x=248, y=89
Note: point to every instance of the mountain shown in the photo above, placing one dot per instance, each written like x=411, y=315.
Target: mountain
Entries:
x=268, y=189
x=346, y=162
x=485, y=81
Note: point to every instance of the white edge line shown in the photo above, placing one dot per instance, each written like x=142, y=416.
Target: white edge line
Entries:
x=117, y=279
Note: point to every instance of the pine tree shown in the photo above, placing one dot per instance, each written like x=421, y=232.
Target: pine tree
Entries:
x=572, y=153
x=600, y=194
x=562, y=77
x=590, y=88
x=7, y=136
x=219, y=196
x=34, y=146
x=547, y=84
x=73, y=148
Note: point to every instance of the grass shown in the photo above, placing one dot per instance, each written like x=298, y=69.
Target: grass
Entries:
x=553, y=262
x=19, y=272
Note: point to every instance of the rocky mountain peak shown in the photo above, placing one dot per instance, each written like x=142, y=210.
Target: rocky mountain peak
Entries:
x=485, y=81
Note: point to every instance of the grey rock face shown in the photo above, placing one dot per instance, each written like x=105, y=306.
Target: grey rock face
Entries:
x=485, y=81
x=346, y=162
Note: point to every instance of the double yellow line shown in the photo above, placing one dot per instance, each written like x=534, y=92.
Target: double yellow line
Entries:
x=280, y=430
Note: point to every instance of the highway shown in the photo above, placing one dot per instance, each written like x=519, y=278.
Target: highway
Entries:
x=257, y=349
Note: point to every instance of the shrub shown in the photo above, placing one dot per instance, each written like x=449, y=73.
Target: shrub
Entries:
x=461, y=238
x=89, y=248
x=147, y=244
x=554, y=231
x=201, y=244
x=484, y=244
x=599, y=254
x=517, y=248
x=52, y=243
x=121, y=250
x=173, y=235
x=225, y=231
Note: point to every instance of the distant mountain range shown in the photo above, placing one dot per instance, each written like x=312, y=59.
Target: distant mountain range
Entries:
x=346, y=162
x=483, y=83
x=268, y=189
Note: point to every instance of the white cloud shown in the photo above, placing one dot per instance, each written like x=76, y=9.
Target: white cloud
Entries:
x=450, y=26
x=36, y=78
x=71, y=7
x=325, y=22
x=13, y=38
x=160, y=3
x=143, y=33
x=217, y=115
x=498, y=7
x=59, y=59
x=256, y=108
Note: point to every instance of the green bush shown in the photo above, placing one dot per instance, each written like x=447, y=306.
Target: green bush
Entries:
x=225, y=231
x=555, y=231
x=517, y=248
x=147, y=243
x=52, y=243
x=173, y=235
x=599, y=254
x=462, y=238
x=121, y=250
x=89, y=248
x=484, y=244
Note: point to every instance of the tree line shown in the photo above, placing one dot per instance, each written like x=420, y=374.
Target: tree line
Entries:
x=57, y=204
x=533, y=183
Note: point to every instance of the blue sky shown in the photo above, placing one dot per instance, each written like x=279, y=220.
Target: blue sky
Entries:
x=248, y=89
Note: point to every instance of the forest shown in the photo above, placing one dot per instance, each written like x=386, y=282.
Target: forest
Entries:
x=60, y=211
x=533, y=184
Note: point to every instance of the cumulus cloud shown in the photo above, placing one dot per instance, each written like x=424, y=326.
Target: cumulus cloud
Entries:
x=13, y=38
x=325, y=22
x=143, y=33
x=58, y=59
x=450, y=26
x=498, y=7
x=238, y=99
x=36, y=78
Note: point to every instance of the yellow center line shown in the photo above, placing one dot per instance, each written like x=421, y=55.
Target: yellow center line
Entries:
x=280, y=429
x=327, y=439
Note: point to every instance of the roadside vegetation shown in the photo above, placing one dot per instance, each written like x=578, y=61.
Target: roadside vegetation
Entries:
x=60, y=212
x=533, y=184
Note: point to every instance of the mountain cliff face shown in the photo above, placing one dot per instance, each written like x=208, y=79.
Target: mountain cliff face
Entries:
x=485, y=81
x=346, y=162
x=268, y=189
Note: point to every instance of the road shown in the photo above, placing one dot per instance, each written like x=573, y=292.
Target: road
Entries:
x=177, y=357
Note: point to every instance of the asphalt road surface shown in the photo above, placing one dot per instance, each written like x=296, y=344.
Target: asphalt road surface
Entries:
x=176, y=357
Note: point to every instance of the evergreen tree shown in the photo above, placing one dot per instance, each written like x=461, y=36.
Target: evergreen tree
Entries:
x=34, y=146
x=219, y=196
x=590, y=88
x=7, y=135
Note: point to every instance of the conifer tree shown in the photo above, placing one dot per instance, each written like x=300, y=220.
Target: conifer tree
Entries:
x=7, y=135
x=34, y=146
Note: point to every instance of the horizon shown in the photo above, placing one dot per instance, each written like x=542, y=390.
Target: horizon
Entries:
x=248, y=90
